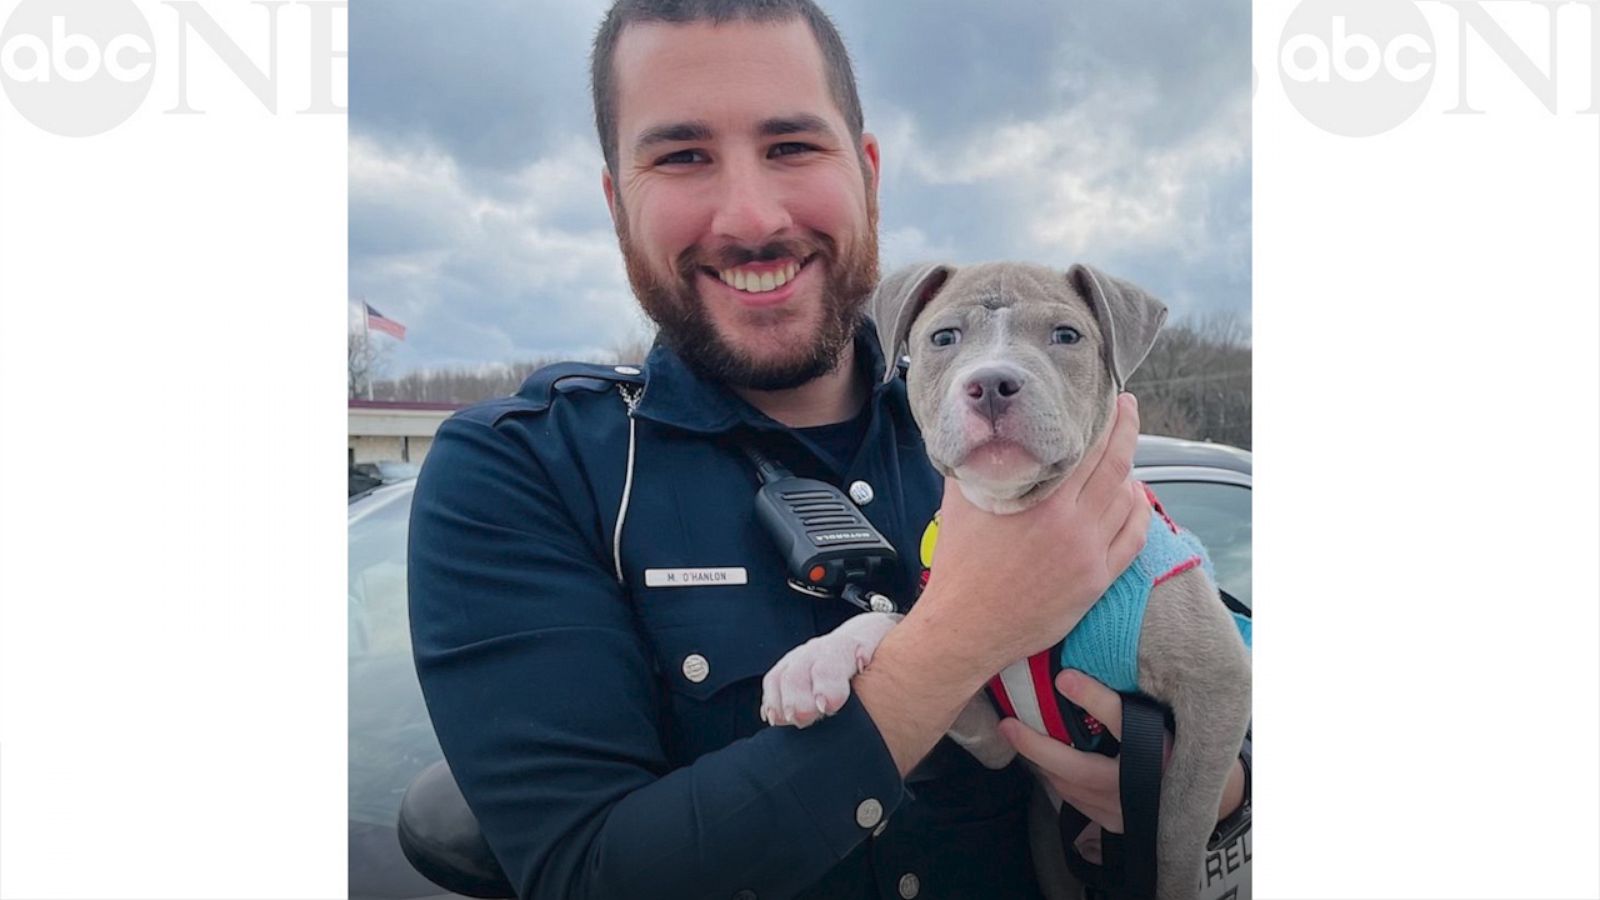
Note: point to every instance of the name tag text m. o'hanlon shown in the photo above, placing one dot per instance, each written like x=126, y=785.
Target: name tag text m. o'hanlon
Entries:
x=694, y=577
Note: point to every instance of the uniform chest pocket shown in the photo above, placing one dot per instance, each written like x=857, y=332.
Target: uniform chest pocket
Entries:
x=707, y=638
x=701, y=660
x=713, y=675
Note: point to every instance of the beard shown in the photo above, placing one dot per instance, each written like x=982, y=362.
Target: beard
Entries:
x=686, y=325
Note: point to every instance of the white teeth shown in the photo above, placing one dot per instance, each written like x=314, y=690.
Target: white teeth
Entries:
x=752, y=283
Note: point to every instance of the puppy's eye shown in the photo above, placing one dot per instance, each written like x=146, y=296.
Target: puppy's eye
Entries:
x=945, y=337
x=1064, y=334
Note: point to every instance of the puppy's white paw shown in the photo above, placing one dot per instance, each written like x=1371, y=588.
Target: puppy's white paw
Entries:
x=812, y=680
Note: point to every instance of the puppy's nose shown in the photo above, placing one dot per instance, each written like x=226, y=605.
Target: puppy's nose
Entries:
x=990, y=389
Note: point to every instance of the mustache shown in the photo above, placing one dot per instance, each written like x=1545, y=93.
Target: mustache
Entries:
x=732, y=256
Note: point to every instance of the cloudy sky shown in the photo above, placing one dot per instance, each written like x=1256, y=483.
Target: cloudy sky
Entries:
x=1055, y=131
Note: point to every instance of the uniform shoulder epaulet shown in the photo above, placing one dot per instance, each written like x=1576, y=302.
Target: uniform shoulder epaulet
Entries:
x=541, y=388
x=563, y=378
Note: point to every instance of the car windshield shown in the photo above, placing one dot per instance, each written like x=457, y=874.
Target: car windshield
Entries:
x=391, y=739
x=1219, y=515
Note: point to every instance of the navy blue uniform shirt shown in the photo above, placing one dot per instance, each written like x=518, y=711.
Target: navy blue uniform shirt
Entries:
x=607, y=734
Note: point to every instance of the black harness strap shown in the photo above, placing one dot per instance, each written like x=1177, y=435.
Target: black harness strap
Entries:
x=1072, y=822
x=1140, y=773
x=1127, y=870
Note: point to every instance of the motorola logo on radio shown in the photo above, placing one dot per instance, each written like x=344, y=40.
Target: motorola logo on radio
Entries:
x=836, y=537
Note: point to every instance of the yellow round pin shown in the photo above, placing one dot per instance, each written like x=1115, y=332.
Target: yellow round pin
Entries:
x=930, y=537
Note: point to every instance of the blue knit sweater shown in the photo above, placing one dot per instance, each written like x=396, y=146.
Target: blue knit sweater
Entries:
x=1105, y=645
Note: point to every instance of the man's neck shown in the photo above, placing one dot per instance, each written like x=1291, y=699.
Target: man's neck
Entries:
x=832, y=397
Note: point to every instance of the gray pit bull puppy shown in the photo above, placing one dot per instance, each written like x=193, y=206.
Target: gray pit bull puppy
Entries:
x=1014, y=374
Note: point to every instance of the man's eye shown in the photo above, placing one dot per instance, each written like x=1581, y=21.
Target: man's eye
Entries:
x=681, y=158
x=945, y=337
x=1064, y=334
x=791, y=148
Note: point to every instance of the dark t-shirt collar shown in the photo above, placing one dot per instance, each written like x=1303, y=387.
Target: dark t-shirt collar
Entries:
x=676, y=395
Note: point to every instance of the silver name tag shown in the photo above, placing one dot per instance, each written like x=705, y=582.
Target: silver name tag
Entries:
x=694, y=577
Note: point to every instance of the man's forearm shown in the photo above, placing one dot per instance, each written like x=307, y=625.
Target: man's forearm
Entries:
x=917, y=683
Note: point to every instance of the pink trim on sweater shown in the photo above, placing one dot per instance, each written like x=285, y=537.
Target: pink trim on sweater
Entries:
x=1178, y=569
x=1156, y=505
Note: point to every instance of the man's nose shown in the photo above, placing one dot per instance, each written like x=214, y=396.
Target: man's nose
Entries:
x=750, y=209
x=990, y=390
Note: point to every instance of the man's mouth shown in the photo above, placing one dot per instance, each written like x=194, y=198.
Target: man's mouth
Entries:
x=759, y=277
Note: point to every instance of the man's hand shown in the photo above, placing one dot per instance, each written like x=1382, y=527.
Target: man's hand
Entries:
x=1089, y=781
x=1012, y=585
x=1005, y=587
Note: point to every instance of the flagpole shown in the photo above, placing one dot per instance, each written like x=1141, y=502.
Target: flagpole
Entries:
x=366, y=342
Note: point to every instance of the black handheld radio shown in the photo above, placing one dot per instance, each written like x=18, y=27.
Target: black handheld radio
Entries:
x=832, y=550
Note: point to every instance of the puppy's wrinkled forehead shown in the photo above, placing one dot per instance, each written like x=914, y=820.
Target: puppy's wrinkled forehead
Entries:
x=997, y=286
x=1118, y=318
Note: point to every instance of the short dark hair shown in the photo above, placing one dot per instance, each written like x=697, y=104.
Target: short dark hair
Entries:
x=835, y=58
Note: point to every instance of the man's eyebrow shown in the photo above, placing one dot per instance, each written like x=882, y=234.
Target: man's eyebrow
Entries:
x=685, y=132
x=803, y=123
x=675, y=133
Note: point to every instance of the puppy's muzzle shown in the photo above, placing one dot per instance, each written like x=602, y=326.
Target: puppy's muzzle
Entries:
x=990, y=390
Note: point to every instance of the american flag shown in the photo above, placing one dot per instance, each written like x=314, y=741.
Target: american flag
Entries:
x=384, y=324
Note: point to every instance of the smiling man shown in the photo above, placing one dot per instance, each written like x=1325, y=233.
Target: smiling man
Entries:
x=593, y=601
x=748, y=225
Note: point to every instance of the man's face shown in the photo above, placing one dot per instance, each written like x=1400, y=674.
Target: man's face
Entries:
x=746, y=218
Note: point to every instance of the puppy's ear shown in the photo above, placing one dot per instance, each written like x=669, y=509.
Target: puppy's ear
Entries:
x=895, y=304
x=1129, y=318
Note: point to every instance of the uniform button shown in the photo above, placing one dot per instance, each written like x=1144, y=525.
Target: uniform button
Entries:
x=869, y=813
x=861, y=492
x=625, y=370
x=745, y=894
x=909, y=885
x=695, y=668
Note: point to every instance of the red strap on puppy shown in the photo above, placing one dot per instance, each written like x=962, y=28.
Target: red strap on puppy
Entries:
x=1026, y=690
x=1049, y=698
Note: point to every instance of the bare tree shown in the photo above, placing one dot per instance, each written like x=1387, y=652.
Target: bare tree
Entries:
x=1194, y=384
x=460, y=385
x=631, y=351
x=367, y=360
x=469, y=385
x=1196, y=381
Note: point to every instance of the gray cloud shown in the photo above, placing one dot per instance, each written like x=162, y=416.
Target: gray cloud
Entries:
x=496, y=84
x=480, y=276
x=1111, y=133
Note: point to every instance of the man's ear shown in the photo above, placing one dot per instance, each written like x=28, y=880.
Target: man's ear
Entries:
x=1129, y=318
x=869, y=152
x=895, y=304
x=610, y=189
